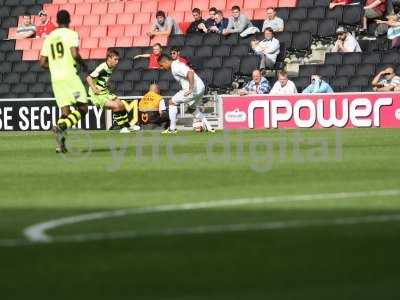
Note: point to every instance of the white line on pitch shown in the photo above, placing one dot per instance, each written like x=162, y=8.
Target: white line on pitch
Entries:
x=211, y=229
x=37, y=232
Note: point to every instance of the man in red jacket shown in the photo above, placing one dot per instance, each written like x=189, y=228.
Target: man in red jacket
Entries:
x=46, y=26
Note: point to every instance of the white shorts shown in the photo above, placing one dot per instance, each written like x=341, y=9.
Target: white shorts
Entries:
x=180, y=97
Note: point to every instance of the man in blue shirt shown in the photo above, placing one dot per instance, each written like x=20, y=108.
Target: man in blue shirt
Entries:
x=259, y=85
x=317, y=86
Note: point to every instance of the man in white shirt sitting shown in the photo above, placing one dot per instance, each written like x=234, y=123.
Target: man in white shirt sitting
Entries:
x=268, y=49
x=273, y=21
x=345, y=42
x=283, y=86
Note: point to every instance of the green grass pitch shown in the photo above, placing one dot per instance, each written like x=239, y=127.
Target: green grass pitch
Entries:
x=289, y=244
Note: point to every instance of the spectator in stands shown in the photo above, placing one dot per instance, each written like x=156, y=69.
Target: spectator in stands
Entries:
x=239, y=23
x=335, y=3
x=176, y=55
x=317, y=86
x=386, y=80
x=258, y=85
x=391, y=26
x=211, y=17
x=46, y=26
x=268, y=49
x=198, y=25
x=153, y=57
x=345, y=42
x=164, y=25
x=273, y=21
x=373, y=9
x=283, y=86
x=27, y=29
x=220, y=23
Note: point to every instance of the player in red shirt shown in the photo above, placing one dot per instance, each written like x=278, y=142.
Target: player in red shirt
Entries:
x=153, y=57
x=45, y=26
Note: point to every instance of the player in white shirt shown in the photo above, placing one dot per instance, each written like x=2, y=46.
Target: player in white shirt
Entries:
x=192, y=92
x=283, y=86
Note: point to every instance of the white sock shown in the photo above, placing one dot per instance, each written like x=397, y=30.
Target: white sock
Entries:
x=199, y=115
x=173, y=111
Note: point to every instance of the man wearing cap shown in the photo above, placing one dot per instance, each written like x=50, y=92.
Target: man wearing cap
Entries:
x=345, y=42
x=46, y=26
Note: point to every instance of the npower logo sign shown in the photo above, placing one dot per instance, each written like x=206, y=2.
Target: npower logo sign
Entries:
x=371, y=110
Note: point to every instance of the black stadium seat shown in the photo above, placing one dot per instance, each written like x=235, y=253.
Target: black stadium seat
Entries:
x=305, y=3
x=365, y=69
x=283, y=13
x=232, y=62
x=212, y=62
x=333, y=59
x=301, y=42
x=324, y=3
x=371, y=57
x=203, y=51
x=150, y=75
x=345, y=70
x=298, y=13
x=307, y=70
x=240, y=50
x=28, y=78
x=327, y=70
x=194, y=39
x=127, y=64
x=177, y=40
x=301, y=82
x=223, y=78
x=166, y=75
x=212, y=39
x=361, y=80
x=327, y=28
x=248, y=64
x=339, y=82
x=391, y=57
x=44, y=77
x=352, y=14
x=351, y=58
x=118, y=75
x=292, y=25
x=20, y=67
x=133, y=75
x=206, y=75
x=231, y=39
x=310, y=25
x=222, y=50
x=336, y=13
x=187, y=51
x=140, y=64
x=284, y=38
x=316, y=13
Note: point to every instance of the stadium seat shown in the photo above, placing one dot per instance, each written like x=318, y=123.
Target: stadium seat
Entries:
x=359, y=80
x=351, y=58
x=178, y=16
x=149, y=6
x=219, y=4
x=326, y=70
x=83, y=31
x=287, y=3
x=316, y=13
x=249, y=13
x=98, y=31
x=133, y=75
x=285, y=38
x=23, y=44
x=84, y=53
x=352, y=14
x=141, y=41
x=28, y=77
x=298, y=13
x=248, y=64
x=251, y=4
x=260, y=14
x=309, y=25
x=203, y=51
x=240, y=50
x=323, y=3
x=232, y=62
x=345, y=70
x=141, y=18
x=221, y=50
x=37, y=44
x=230, y=3
x=150, y=75
x=12, y=33
x=305, y=3
x=76, y=20
x=231, y=39
x=187, y=51
x=391, y=57
x=336, y=13
x=177, y=40
x=188, y=17
x=300, y=82
x=371, y=58
x=365, y=69
x=91, y=20
x=52, y=9
x=159, y=39
x=108, y=19
x=184, y=26
x=268, y=3
x=83, y=9
x=21, y=67
x=116, y=8
x=338, y=82
x=194, y=39
x=68, y=7
x=98, y=53
x=90, y=43
x=132, y=52
x=203, y=5
x=30, y=55
x=124, y=41
x=145, y=28
x=184, y=5
x=212, y=39
x=125, y=19
x=327, y=28
x=292, y=25
x=333, y=59
x=166, y=5
x=99, y=8
x=107, y=42
x=222, y=78
x=132, y=7
x=283, y=13
x=116, y=30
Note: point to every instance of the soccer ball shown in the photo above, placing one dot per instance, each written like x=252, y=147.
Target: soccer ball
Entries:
x=198, y=125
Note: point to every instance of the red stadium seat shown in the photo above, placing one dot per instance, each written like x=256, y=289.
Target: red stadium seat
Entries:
x=184, y=26
x=76, y=20
x=76, y=1
x=269, y=3
x=230, y=3
x=99, y=53
x=90, y=43
x=188, y=17
x=149, y=6
x=23, y=44
x=124, y=41
x=159, y=39
x=249, y=13
x=92, y=1
x=99, y=8
x=60, y=1
x=166, y=5
x=116, y=8
x=125, y=19
x=141, y=41
x=12, y=32
x=287, y=3
x=68, y=7
x=178, y=16
x=91, y=20
x=201, y=4
x=37, y=44
x=183, y=5
x=108, y=19
x=260, y=14
x=107, y=42
x=132, y=7
x=51, y=9
x=132, y=30
x=83, y=9
x=251, y=4
x=218, y=4
x=83, y=31
x=116, y=30
x=146, y=28
x=98, y=31
x=141, y=18
x=30, y=55
x=84, y=53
